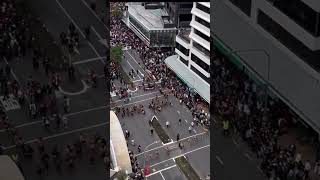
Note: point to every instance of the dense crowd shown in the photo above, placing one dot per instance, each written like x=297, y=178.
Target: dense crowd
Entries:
x=240, y=102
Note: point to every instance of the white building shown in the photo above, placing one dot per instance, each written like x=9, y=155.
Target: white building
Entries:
x=289, y=31
x=192, y=61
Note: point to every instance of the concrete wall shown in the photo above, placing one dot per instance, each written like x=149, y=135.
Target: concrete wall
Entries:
x=289, y=76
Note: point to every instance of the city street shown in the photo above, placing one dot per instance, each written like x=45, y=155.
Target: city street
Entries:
x=88, y=110
x=196, y=143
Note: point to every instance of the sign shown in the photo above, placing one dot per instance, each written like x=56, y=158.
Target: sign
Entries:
x=10, y=103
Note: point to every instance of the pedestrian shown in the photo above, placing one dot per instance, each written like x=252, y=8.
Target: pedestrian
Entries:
x=65, y=122
x=139, y=148
x=178, y=137
x=151, y=131
x=190, y=129
x=132, y=142
x=167, y=124
x=46, y=123
x=180, y=121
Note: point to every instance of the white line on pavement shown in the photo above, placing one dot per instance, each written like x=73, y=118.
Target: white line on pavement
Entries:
x=79, y=29
x=133, y=68
x=133, y=97
x=67, y=115
x=219, y=159
x=13, y=74
x=134, y=102
x=139, y=80
x=97, y=34
x=186, y=121
x=162, y=176
x=62, y=134
x=197, y=149
x=248, y=156
x=178, y=112
x=88, y=60
x=235, y=142
x=135, y=61
x=161, y=170
x=94, y=13
x=171, y=143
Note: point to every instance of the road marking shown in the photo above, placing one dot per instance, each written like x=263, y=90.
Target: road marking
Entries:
x=194, y=131
x=133, y=68
x=79, y=29
x=133, y=97
x=94, y=13
x=67, y=115
x=248, y=156
x=197, y=149
x=135, y=61
x=188, y=137
x=12, y=73
x=10, y=103
x=133, y=90
x=162, y=176
x=84, y=89
x=178, y=112
x=61, y=134
x=186, y=121
x=164, y=169
x=88, y=60
x=97, y=34
x=139, y=80
x=219, y=159
x=127, y=104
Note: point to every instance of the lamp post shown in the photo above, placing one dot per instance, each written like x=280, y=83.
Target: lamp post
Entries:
x=267, y=84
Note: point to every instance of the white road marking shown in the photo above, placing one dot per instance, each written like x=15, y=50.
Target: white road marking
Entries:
x=133, y=97
x=127, y=104
x=219, y=159
x=67, y=115
x=12, y=73
x=94, y=13
x=139, y=80
x=248, y=156
x=135, y=61
x=133, y=90
x=10, y=103
x=197, y=149
x=84, y=89
x=97, y=34
x=178, y=112
x=62, y=134
x=162, y=176
x=188, y=137
x=133, y=68
x=79, y=29
x=194, y=131
x=161, y=170
x=235, y=142
x=88, y=60
x=186, y=121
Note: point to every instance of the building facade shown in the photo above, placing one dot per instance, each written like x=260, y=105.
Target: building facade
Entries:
x=193, y=51
x=289, y=32
x=179, y=12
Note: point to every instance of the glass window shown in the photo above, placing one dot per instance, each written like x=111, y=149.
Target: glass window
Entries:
x=202, y=49
x=203, y=22
x=186, y=5
x=200, y=63
x=186, y=62
x=185, y=17
x=205, y=37
x=288, y=40
x=299, y=12
x=140, y=27
x=207, y=79
x=243, y=5
x=203, y=8
x=182, y=49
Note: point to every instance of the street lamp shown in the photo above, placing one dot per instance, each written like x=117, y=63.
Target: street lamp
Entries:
x=268, y=69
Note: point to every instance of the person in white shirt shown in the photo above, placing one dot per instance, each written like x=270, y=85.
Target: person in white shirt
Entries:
x=167, y=124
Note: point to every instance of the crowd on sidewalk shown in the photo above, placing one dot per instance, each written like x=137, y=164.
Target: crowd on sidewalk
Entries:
x=240, y=103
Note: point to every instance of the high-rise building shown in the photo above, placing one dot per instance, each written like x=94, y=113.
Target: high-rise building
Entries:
x=179, y=13
x=192, y=61
x=280, y=43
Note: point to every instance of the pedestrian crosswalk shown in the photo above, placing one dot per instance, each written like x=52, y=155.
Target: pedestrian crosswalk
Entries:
x=9, y=103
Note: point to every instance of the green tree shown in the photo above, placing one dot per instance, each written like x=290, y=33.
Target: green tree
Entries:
x=116, y=54
x=121, y=175
x=116, y=13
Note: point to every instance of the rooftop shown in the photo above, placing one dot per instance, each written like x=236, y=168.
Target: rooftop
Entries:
x=150, y=18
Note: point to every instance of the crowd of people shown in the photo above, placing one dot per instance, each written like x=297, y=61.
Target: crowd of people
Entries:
x=240, y=103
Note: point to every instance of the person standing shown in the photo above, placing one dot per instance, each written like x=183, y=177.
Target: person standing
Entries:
x=167, y=124
x=65, y=122
x=180, y=121
x=178, y=137
x=151, y=131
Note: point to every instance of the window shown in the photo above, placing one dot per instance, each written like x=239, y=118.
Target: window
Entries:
x=300, y=13
x=185, y=17
x=186, y=6
x=202, y=49
x=182, y=49
x=203, y=22
x=288, y=40
x=243, y=5
x=207, y=79
x=203, y=8
x=139, y=27
x=200, y=63
x=186, y=62
x=205, y=37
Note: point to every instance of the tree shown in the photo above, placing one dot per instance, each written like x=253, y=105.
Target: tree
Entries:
x=121, y=175
x=116, y=13
x=116, y=54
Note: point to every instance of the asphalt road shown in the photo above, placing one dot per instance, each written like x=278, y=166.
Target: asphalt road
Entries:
x=88, y=112
x=162, y=167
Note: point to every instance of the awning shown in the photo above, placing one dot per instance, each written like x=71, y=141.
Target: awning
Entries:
x=187, y=76
x=118, y=146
